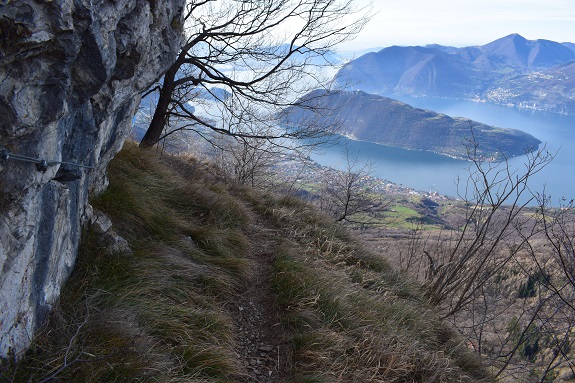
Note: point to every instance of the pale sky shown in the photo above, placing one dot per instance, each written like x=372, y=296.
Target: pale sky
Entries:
x=464, y=22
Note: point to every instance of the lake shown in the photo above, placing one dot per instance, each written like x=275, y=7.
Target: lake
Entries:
x=426, y=171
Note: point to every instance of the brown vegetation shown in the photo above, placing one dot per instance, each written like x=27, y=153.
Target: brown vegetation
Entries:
x=501, y=273
x=232, y=284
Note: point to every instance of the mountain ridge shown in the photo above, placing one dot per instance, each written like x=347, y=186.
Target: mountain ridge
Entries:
x=481, y=73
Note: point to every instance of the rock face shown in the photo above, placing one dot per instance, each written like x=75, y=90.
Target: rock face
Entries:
x=71, y=74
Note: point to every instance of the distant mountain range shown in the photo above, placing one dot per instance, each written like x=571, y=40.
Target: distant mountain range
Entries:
x=512, y=70
x=379, y=119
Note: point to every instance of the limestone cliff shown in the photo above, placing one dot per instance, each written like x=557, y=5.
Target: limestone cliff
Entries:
x=71, y=74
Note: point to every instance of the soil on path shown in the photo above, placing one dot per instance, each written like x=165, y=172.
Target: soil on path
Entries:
x=262, y=339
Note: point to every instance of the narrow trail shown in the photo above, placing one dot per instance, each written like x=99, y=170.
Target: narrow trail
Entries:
x=262, y=341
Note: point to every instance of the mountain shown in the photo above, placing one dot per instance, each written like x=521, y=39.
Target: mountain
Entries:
x=551, y=90
x=514, y=51
x=379, y=119
x=408, y=70
x=442, y=71
x=443, y=48
x=214, y=94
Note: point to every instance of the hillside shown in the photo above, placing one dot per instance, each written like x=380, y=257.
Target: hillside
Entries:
x=409, y=70
x=385, y=121
x=550, y=90
x=486, y=72
x=231, y=284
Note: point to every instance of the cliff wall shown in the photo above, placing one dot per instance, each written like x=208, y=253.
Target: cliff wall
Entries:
x=71, y=74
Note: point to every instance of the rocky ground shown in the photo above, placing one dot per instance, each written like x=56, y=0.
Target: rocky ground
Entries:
x=258, y=318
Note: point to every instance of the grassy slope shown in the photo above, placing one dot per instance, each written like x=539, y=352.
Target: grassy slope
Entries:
x=203, y=251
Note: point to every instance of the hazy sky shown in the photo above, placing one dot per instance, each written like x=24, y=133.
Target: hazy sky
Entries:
x=464, y=22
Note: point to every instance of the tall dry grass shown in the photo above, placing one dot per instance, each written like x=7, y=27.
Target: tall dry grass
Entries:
x=166, y=313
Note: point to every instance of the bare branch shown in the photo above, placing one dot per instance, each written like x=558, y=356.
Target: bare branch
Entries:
x=264, y=53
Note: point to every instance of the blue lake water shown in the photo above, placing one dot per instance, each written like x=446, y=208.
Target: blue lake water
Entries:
x=426, y=171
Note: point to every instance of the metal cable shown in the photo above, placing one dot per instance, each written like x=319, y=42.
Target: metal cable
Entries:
x=41, y=164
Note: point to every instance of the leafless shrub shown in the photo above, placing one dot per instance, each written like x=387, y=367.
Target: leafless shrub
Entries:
x=345, y=194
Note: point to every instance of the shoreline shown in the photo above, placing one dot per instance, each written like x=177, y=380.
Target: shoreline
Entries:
x=459, y=158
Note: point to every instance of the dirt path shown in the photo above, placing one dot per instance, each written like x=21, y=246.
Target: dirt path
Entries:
x=261, y=339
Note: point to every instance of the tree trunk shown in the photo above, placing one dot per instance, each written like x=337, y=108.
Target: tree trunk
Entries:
x=158, y=123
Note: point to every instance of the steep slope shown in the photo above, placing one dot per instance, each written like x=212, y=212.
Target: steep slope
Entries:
x=235, y=285
x=382, y=120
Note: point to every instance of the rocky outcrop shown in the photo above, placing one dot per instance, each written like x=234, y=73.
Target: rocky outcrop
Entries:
x=71, y=72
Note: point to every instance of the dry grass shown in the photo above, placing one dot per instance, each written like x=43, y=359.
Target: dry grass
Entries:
x=164, y=314
x=353, y=318
x=159, y=315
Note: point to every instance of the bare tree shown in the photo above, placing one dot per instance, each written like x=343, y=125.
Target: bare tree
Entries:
x=495, y=196
x=473, y=273
x=246, y=161
x=464, y=268
x=553, y=274
x=251, y=59
x=346, y=193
